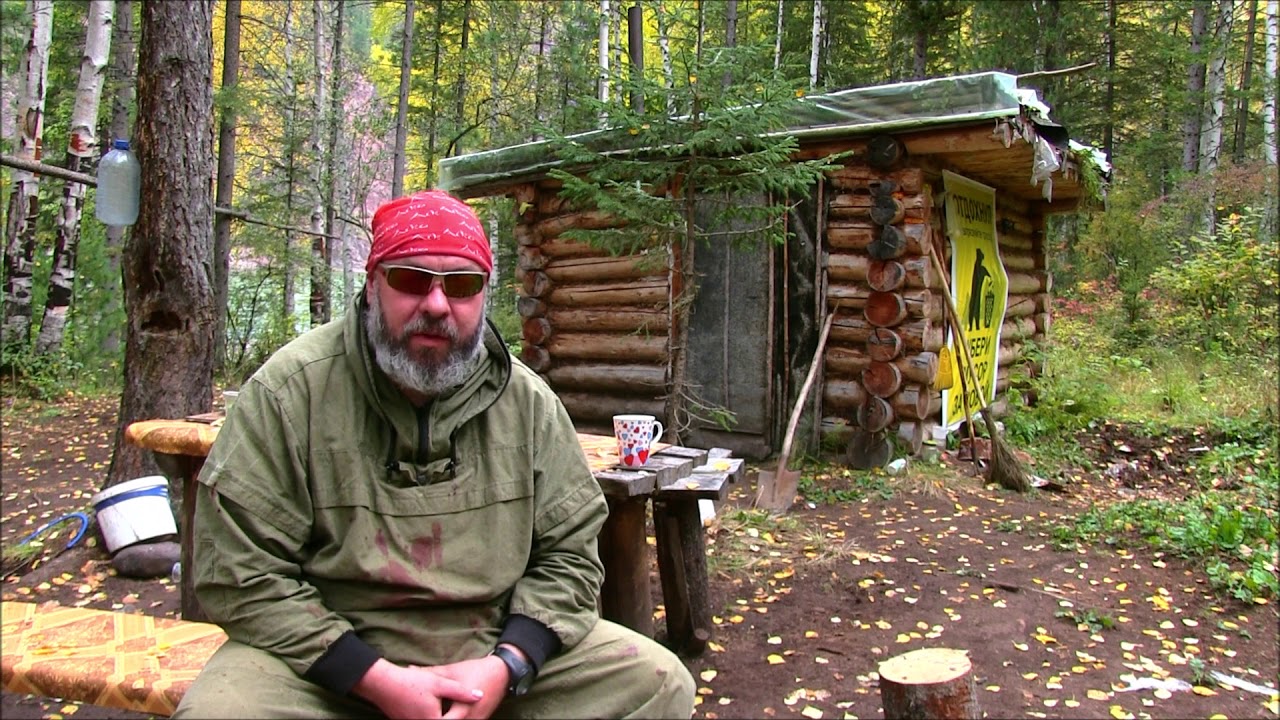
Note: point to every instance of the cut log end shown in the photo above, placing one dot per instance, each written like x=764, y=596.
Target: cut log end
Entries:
x=931, y=683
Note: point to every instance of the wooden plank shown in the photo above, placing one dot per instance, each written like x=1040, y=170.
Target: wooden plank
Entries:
x=698, y=486
x=626, y=483
x=696, y=455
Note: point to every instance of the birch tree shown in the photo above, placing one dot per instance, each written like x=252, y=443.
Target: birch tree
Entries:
x=777, y=38
x=603, y=46
x=121, y=78
x=664, y=47
x=289, y=284
x=24, y=200
x=1269, y=85
x=1195, y=88
x=1246, y=78
x=815, y=44
x=1216, y=89
x=83, y=143
x=335, y=162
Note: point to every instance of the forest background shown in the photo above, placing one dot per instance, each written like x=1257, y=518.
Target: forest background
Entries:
x=323, y=110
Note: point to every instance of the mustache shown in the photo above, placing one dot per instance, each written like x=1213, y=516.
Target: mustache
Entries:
x=423, y=325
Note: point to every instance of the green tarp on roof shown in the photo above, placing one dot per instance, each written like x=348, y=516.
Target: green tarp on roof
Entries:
x=858, y=111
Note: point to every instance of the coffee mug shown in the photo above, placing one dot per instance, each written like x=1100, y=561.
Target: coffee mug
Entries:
x=636, y=434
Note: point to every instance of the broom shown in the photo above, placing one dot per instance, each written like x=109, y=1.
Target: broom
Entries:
x=1006, y=470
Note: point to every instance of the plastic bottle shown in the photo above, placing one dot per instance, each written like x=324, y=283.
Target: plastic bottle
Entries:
x=119, y=184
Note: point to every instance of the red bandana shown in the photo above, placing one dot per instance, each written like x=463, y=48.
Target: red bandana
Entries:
x=431, y=222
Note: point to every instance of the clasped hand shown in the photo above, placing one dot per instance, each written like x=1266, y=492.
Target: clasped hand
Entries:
x=469, y=689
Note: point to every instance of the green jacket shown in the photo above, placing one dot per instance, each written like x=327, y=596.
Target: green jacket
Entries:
x=337, y=523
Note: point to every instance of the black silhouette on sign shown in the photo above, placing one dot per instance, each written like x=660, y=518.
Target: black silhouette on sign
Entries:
x=981, y=276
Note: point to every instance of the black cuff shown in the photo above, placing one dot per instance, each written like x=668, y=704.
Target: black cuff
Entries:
x=537, y=641
x=343, y=664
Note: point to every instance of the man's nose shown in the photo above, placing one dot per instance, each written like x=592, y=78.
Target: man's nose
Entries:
x=435, y=303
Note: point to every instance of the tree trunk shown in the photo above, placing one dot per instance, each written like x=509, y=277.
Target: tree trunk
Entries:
x=24, y=199
x=335, y=162
x=460, y=93
x=929, y=684
x=121, y=78
x=730, y=35
x=1195, y=89
x=1109, y=103
x=402, y=106
x=815, y=44
x=602, y=41
x=433, y=123
x=226, y=182
x=291, y=162
x=1246, y=79
x=664, y=46
x=321, y=290
x=1269, y=85
x=1216, y=90
x=777, y=37
x=83, y=143
x=168, y=365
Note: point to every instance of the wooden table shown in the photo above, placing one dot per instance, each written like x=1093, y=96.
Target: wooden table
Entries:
x=675, y=478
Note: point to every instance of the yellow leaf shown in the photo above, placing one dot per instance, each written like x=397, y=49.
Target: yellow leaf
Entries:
x=775, y=659
x=1122, y=586
x=714, y=646
x=1098, y=694
x=774, y=640
x=810, y=634
x=70, y=709
x=784, y=574
x=992, y=688
x=904, y=638
x=1162, y=694
x=883, y=625
x=707, y=675
x=1021, y=646
x=1120, y=713
x=1071, y=703
x=735, y=619
x=1046, y=639
x=1029, y=676
x=1050, y=702
x=811, y=712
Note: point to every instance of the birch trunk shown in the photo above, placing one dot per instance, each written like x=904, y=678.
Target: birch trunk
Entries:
x=83, y=143
x=815, y=44
x=24, y=199
x=1195, y=89
x=664, y=45
x=121, y=78
x=1269, y=84
x=1216, y=90
x=1270, y=221
x=777, y=38
x=603, y=55
x=226, y=180
x=402, y=106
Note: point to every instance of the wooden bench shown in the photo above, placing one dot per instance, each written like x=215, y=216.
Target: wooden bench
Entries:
x=113, y=659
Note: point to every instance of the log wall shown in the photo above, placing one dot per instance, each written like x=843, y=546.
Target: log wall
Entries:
x=594, y=325
x=880, y=366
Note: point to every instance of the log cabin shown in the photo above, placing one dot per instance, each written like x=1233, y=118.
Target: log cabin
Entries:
x=597, y=326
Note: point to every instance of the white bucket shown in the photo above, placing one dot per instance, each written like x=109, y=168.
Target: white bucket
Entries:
x=134, y=511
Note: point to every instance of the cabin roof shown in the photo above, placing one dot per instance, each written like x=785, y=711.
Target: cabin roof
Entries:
x=982, y=125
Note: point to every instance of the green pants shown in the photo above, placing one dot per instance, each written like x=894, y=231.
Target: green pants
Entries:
x=613, y=673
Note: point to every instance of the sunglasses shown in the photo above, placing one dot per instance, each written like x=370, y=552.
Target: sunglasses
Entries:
x=419, y=281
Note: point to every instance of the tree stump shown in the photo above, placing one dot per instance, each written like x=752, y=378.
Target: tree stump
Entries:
x=929, y=684
x=869, y=450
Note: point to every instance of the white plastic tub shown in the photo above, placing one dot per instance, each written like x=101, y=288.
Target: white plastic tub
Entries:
x=134, y=511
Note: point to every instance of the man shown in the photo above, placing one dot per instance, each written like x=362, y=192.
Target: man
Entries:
x=397, y=517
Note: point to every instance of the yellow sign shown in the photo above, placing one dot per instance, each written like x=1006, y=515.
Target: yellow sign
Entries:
x=980, y=289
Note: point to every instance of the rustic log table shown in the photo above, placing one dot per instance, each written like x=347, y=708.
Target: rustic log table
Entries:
x=675, y=478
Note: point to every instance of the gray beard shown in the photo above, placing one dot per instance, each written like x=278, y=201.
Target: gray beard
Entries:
x=419, y=373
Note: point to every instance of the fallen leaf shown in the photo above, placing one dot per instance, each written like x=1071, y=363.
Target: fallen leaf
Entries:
x=707, y=675
x=775, y=659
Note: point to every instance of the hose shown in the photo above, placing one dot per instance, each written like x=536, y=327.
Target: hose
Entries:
x=84, y=525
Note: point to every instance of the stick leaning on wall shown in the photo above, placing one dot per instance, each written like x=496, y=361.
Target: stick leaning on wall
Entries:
x=1005, y=467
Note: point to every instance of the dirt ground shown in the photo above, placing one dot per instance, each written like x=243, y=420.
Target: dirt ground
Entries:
x=807, y=605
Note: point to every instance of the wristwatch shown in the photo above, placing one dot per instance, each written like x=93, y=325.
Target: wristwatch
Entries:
x=520, y=673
